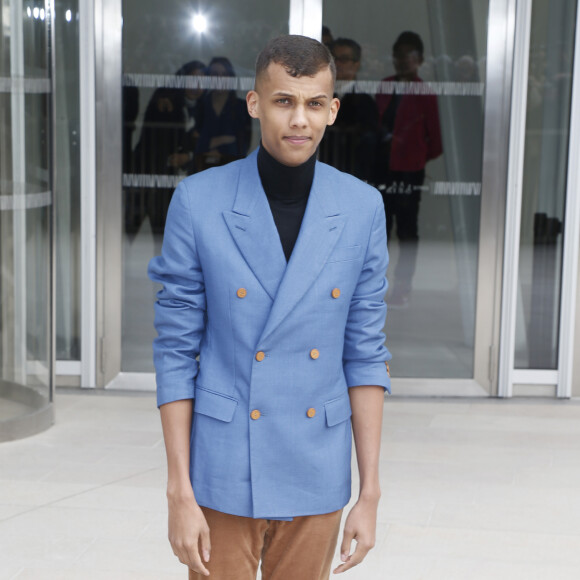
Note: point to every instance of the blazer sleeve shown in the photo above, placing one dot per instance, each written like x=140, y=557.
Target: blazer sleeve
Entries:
x=365, y=354
x=180, y=308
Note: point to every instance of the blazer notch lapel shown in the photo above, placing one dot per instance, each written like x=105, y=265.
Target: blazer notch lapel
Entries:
x=252, y=227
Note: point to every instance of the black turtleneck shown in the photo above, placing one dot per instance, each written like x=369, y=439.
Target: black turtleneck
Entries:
x=287, y=189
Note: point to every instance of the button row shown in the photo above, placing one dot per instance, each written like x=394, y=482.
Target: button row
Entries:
x=255, y=414
x=242, y=293
x=261, y=355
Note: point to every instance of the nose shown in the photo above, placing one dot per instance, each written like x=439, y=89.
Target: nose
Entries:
x=298, y=118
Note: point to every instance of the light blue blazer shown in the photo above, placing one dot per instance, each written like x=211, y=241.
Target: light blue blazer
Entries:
x=278, y=349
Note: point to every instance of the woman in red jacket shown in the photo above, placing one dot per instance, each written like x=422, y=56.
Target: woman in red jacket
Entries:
x=410, y=136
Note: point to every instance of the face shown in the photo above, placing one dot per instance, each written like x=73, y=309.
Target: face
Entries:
x=346, y=66
x=217, y=69
x=293, y=112
x=406, y=60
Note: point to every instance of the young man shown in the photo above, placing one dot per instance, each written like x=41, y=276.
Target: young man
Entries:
x=273, y=272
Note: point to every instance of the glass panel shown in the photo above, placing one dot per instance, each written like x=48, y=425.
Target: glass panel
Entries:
x=67, y=181
x=544, y=183
x=411, y=123
x=175, y=61
x=25, y=219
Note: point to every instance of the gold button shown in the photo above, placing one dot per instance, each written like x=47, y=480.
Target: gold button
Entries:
x=255, y=414
x=314, y=354
x=242, y=292
x=311, y=412
x=260, y=356
x=388, y=369
x=335, y=293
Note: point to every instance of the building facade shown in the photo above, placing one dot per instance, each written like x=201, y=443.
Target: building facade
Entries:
x=464, y=114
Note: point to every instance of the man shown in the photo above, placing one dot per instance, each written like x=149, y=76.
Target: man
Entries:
x=350, y=144
x=410, y=137
x=273, y=272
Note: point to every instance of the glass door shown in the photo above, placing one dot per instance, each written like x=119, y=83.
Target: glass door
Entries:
x=412, y=83
x=26, y=360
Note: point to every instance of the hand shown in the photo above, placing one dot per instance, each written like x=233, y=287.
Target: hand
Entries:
x=188, y=533
x=360, y=525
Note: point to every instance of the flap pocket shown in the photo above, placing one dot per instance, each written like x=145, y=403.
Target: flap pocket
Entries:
x=214, y=405
x=345, y=254
x=337, y=410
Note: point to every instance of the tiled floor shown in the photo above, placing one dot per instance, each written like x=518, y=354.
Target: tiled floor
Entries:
x=472, y=490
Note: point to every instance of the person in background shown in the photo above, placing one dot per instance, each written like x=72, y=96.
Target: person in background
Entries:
x=191, y=106
x=166, y=147
x=350, y=144
x=409, y=137
x=226, y=130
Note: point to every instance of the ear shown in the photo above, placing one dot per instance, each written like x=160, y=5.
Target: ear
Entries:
x=252, y=99
x=334, y=106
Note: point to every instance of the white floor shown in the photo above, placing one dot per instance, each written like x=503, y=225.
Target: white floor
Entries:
x=478, y=489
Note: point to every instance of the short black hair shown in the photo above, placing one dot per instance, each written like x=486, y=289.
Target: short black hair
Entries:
x=299, y=55
x=190, y=67
x=410, y=39
x=352, y=44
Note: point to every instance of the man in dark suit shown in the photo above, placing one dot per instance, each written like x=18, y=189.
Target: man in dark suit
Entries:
x=350, y=144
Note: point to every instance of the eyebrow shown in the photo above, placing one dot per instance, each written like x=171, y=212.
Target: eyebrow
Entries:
x=283, y=94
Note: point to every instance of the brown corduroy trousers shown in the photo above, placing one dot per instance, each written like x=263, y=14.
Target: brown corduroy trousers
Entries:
x=301, y=549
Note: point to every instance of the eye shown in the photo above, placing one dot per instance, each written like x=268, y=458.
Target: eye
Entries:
x=315, y=104
x=283, y=101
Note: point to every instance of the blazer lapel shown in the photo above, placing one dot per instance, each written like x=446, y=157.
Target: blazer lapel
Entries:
x=252, y=226
x=321, y=228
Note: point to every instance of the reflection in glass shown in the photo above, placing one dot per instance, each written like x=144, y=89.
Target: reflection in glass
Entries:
x=422, y=65
x=349, y=144
x=544, y=183
x=186, y=74
x=25, y=224
x=409, y=136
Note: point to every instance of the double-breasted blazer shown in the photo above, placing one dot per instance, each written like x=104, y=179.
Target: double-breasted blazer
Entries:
x=279, y=343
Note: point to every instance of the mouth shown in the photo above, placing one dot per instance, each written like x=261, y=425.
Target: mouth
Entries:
x=297, y=139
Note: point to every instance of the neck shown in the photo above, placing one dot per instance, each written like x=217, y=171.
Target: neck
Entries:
x=283, y=182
